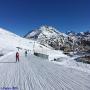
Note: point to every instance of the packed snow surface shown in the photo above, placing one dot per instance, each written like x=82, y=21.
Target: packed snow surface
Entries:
x=34, y=73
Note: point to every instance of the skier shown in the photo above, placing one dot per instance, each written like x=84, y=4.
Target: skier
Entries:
x=25, y=53
x=17, y=56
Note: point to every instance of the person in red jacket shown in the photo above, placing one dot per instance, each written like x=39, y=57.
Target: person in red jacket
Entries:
x=17, y=56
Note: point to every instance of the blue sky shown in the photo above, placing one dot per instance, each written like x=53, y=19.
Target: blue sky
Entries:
x=21, y=16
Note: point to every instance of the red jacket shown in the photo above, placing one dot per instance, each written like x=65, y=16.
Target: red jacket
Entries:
x=17, y=54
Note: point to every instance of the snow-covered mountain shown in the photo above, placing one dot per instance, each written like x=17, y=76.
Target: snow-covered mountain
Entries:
x=83, y=35
x=47, y=35
x=51, y=37
x=47, y=31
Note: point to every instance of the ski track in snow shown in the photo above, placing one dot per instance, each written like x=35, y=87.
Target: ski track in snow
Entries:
x=34, y=73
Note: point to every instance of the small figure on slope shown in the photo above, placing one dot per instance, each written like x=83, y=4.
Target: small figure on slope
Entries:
x=25, y=53
x=17, y=56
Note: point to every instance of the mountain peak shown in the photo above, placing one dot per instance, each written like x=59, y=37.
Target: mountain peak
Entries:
x=46, y=35
x=46, y=27
x=44, y=30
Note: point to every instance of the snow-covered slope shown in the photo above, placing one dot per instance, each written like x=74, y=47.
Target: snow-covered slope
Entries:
x=11, y=41
x=34, y=73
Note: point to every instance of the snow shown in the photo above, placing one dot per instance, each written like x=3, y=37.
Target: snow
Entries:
x=70, y=62
x=34, y=73
x=9, y=41
x=50, y=31
x=82, y=33
x=52, y=54
x=46, y=34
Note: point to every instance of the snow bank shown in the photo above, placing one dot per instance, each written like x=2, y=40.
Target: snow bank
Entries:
x=53, y=54
x=70, y=62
